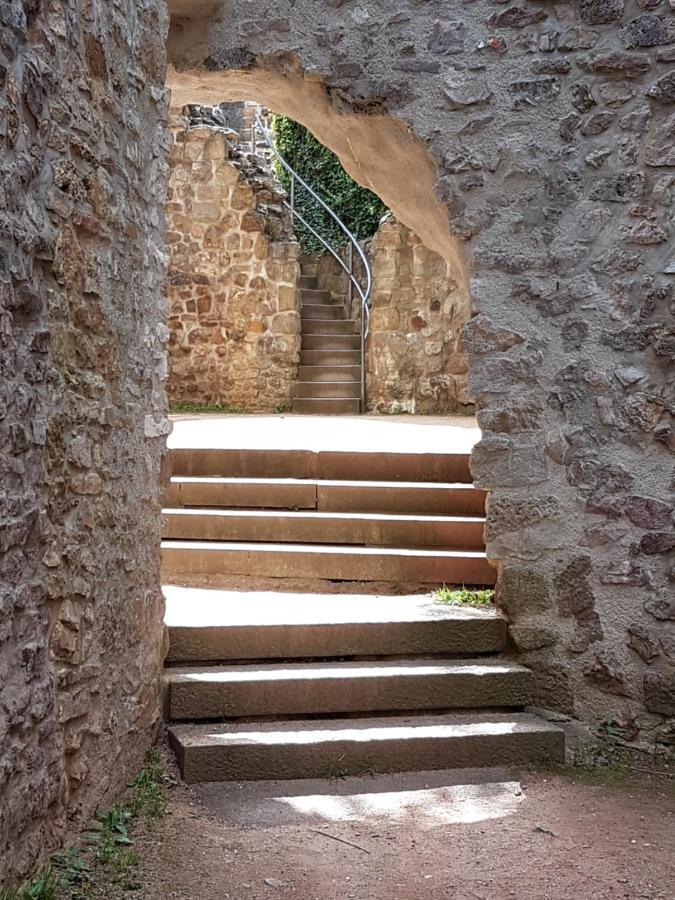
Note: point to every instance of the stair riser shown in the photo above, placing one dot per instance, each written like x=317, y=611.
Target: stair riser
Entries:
x=317, y=374
x=310, y=530
x=324, y=464
x=334, y=566
x=322, y=311
x=326, y=406
x=328, y=327
x=314, y=296
x=307, y=282
x=331, y=342
x=330, y=358
x=326, y=390
x=209, y=644
x=330, y=498
x=319, y=760
x=193, y=700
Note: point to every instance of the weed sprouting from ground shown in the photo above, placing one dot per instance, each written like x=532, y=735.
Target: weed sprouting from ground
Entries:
x=106, y=857
x=41, y=888
x=465, y=596
x=204, y=408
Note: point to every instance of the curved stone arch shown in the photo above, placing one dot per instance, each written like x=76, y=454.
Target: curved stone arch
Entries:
x=493, y=116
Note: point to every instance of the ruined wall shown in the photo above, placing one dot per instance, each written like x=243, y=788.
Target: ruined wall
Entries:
x=413, y=360
x=550, y=129
x=83, y=163
x=233, y=275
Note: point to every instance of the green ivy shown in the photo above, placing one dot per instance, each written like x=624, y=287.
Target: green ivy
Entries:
x=358, y=208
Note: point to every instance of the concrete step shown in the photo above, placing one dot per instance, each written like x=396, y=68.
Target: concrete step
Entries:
x=322, y=464
x=330, y=358
x=329, y=373
x=306, y=749
x=307, y=282
x=316, y=406
x=326, y=327
x=283, y=526
x=328, y=496
x=331, y=342
x=312, y=295
x=205, y=625
x=323, y=311
x=338, y=563
x=342, y=687
x=304, y=390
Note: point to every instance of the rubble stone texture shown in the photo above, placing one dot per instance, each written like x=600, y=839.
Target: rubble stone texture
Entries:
x=528, y=142
x=233, y=275
x=83, y=169
x=414, y=363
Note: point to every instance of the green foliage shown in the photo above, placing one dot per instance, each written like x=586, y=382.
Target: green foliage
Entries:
x=358, y=208
x=203, y=408
x=43, y=887
x=465, y=597
x=105, y=857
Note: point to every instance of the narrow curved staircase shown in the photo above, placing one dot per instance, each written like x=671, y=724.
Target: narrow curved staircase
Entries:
x=306, y=680
x=329, y=375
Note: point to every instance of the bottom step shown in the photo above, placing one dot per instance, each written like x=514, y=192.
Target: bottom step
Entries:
x=327, y=406
x=314, y=749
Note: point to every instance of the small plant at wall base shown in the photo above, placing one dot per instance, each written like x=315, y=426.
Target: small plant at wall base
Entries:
x=464, y=596
x=357, y=207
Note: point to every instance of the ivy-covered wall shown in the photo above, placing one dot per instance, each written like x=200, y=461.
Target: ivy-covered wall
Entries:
x=358, y=208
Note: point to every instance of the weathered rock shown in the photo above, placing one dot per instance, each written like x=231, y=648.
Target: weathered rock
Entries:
x=643, y=640
x=599, y=12
x=659, y=688
x=663, y=89
x=609, y=673
x=648, y=513
x=464, y=89
x=533, y=637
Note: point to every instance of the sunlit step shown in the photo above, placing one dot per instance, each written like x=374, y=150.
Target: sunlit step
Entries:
x=285, y=526
x=206, y=624
x=342, y=687
x=307, y=749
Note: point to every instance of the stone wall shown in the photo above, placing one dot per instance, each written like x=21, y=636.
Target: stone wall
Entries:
x=233, y=275
x=546, y=131
x=83, y=165
x=413, y=360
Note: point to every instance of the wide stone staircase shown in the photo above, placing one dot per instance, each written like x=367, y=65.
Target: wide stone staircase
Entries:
x=288, y=656
x=329, y=375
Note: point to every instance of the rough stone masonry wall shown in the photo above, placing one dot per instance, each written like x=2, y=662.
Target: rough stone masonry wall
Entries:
x=414, y=363
x=551, y=129
x=83, y=165
x=233, y=276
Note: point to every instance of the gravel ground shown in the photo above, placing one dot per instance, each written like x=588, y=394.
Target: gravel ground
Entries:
x=435, y=835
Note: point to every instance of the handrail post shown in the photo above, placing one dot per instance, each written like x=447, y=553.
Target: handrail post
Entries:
x=292, y=195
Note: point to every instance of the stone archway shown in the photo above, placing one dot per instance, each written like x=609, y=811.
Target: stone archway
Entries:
x=550, y=131
x=508, y=182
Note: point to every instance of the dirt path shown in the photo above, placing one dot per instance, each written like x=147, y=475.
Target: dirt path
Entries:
x=437, y=836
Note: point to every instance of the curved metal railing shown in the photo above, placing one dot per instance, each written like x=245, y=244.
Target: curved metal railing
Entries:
x=363, y=287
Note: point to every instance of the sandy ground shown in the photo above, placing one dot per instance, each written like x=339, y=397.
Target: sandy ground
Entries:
x=450, y=835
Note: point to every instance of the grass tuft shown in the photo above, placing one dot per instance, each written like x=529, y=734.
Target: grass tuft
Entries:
x=204, y=408
x=464, y=596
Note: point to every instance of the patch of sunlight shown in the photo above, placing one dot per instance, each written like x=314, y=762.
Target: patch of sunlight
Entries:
x=377, y=733
x=310, y=672
x=456, y=804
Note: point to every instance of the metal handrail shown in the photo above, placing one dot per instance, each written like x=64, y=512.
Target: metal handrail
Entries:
x=364, y=290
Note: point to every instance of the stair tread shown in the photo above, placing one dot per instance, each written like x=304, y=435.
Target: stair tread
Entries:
x=325, y=482
x=315, y=515
x=325, y=549
x=391, y=728
x=404, y=668
x=192, y=607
